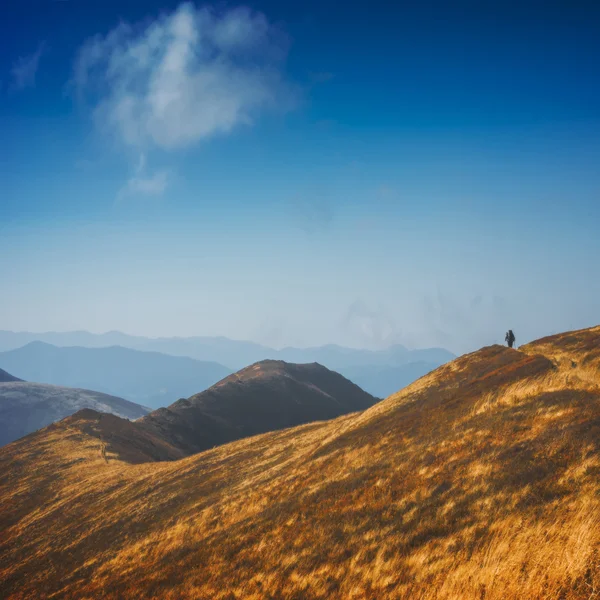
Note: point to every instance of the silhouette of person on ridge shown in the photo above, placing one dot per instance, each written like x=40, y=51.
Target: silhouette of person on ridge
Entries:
x=510, y=338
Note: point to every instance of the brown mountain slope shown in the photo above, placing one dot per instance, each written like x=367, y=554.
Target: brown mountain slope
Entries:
x=266, y=396
x=481, y=480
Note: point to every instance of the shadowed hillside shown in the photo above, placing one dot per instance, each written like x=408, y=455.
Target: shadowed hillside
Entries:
x=263, y=397
x=6, y=377
x=118, y=438
x=479, y=481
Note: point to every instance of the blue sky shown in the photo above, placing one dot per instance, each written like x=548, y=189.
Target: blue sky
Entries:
x=301, y=173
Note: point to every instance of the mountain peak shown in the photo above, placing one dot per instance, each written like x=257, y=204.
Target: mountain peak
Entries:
x=84, y=414
x=38, y=344
x=273, y=367
x=266, y=396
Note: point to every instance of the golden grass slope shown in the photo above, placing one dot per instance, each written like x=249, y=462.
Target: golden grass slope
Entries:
x=479, y=481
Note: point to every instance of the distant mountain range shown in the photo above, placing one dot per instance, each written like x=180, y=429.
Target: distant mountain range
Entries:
x=381, y=372
x=233, y=354
x=26, y=407
x=148, y=378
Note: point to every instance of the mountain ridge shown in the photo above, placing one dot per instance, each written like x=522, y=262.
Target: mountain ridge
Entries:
x=144, y=377
x=479, y=480
x=234, y=354
x=267, y=396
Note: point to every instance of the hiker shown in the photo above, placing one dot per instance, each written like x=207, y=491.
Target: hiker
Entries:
x=510, y=338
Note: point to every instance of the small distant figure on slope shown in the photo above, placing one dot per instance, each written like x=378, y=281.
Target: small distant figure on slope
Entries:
x=510, y=338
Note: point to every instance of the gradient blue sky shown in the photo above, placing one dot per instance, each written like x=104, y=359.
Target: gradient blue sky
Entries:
x=300, y=173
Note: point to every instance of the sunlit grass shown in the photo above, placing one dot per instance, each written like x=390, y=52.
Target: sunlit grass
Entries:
x=481, y=480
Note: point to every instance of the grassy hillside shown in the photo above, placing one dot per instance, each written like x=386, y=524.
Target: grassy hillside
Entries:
x=263, y=397
x=479, y=481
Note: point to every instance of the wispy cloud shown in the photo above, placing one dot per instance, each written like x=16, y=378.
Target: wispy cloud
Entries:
x=153, y=185
x=25, y=69
x=144, y=184
x=183, y=78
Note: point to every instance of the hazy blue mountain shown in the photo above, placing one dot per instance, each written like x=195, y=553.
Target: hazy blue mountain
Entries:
x=9, y=340
x=148, y=378
x=384, y=381
x=26, y=407
x=339, y=358
x=233, y=354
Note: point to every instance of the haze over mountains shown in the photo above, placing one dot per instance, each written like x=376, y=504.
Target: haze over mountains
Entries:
x=64, y=377
x=148, y=378
x=380, y=372
x=382, y=381
x=477, y=481
x=233, y=354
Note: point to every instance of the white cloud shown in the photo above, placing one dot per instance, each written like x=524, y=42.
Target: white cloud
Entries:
x=185, y=77
x=25, y=70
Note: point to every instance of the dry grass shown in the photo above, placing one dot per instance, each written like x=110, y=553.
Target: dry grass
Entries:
x=479, y=481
